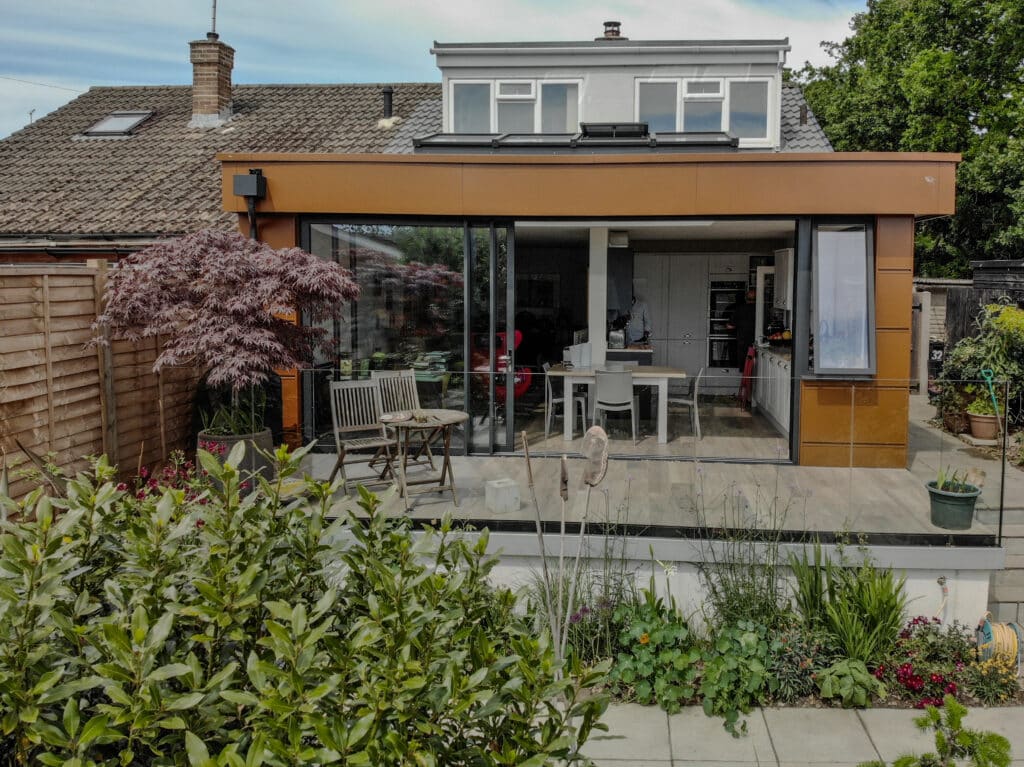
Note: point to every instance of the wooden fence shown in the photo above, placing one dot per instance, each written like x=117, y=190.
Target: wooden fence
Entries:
x=63, y=397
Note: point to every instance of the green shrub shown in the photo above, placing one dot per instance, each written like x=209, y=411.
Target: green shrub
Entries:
x=862, y=608
x=998, y=345
x=735, y=676
x=658, y=659
x=850, y=681
x=801, y=654
x=194, y=625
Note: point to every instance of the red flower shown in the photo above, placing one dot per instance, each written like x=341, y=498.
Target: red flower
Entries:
x=200, y=523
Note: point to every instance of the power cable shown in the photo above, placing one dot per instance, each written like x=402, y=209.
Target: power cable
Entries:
x=44, y=85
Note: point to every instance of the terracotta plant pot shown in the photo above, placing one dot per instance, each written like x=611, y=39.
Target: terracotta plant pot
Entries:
x=984, y=426
x=253, y=461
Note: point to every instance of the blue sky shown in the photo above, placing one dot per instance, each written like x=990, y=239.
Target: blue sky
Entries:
x=50, y=50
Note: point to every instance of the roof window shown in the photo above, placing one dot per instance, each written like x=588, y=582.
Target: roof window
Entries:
x=117, y=124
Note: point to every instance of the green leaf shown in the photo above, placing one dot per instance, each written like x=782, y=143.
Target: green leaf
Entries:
x=240, y=698
x=170, y=671
x=184, y=702
x=71, y=717
x=93, y=729
x=172, y=723
x=359, y=730
x=46, y=681
x=198, y=755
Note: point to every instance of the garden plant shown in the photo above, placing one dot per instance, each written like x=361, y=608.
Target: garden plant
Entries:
x=175, y=620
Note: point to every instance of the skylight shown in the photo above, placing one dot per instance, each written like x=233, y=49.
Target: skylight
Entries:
x=117, y=124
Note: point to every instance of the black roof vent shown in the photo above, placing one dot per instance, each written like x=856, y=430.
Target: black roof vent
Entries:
x=614, y=130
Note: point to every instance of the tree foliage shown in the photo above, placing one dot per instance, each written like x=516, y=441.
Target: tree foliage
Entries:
x=937, y=76
x=224, y=302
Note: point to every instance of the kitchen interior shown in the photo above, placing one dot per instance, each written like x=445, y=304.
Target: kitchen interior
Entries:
x=690, y=280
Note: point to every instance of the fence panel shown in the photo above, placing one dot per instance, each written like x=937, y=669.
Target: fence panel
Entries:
x=63, y=398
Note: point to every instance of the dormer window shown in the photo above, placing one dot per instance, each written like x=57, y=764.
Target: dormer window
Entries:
x=702, y=106
x=515, y=106
x=117, y=124
x=735, y=106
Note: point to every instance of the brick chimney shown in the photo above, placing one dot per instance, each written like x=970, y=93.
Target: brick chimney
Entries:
x=212, y=61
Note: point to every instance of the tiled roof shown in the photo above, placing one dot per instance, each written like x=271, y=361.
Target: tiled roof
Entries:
x=165, y=178
x=808, y=137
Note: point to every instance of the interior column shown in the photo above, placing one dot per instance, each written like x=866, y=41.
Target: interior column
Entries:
x=597, y=295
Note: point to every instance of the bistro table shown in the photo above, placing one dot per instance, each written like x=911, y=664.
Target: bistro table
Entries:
x=433, y=420
x=643, y=375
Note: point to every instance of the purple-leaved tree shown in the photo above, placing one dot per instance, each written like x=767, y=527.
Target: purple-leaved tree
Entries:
x=219, y=298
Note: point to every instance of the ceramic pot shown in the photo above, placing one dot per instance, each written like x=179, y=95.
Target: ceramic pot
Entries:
x=952, y=510
x=984, y=426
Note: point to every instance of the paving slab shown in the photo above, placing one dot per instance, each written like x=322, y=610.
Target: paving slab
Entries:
x=700, y=739
x=1006, y=721
x=809, y=736
x=894, y=733
x=635, y=733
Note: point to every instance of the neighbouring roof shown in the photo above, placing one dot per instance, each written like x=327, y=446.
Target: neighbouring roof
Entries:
x=797, y=137
x=164, y=179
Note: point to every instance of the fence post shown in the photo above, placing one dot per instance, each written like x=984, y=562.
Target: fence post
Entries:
x=48, y=358
x=105, y=365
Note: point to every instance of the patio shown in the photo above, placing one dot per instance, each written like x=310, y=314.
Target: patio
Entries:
x=645, y=496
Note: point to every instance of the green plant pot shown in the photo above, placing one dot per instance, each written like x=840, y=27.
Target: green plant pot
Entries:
x=253, y=462
x=952, y=511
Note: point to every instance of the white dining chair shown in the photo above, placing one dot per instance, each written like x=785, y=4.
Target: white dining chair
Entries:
x=693, y=403
x=613, y=392
x=551, y=401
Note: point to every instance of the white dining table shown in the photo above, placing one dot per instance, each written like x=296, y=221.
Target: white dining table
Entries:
x=643, y=375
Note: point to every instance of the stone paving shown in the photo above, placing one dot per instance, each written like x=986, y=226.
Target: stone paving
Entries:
x=645, y=736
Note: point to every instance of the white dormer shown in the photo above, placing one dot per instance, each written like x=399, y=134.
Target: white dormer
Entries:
x=706, y=86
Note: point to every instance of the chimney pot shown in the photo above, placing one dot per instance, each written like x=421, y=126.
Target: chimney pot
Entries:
x=388, y=93
x=612, y=31
x=803, y=114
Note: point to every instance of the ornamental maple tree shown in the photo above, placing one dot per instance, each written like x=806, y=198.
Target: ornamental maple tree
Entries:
x=220, y=299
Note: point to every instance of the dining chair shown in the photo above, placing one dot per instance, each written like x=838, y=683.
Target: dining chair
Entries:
x=398, y=392
x=355, y=414
x=551, y=401
x=693, y=402
x=613, y=392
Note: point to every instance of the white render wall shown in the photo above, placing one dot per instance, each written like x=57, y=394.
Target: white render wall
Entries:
x=674, y=564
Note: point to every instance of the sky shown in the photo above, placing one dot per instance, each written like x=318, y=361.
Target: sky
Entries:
x=52, y=50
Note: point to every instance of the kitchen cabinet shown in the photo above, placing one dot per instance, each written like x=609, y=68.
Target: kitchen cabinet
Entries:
x=689, y=354
x=735, y=264
x=772, y=387
x=687, y=286
x=784, y=279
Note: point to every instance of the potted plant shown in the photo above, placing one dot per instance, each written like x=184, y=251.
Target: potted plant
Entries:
x=224, y=303
x=983, y=417
x=952, y=500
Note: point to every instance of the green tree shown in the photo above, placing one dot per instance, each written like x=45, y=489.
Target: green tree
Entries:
x=937, y=76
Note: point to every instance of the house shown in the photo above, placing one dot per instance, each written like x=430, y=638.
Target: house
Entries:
x=682, y=169
x=516, y=208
